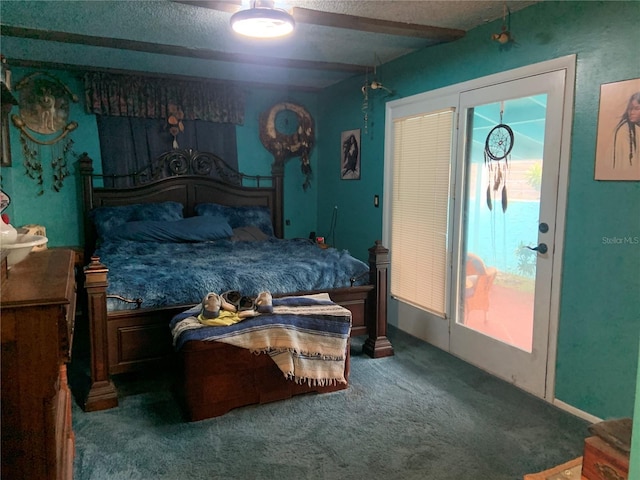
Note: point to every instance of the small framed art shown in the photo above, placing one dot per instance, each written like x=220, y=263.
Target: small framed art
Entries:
x=618, y=138
x=350, y=162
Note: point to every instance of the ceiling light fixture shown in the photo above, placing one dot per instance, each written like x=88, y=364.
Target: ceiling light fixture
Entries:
x=262, y=20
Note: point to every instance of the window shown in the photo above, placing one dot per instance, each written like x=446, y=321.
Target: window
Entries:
x=419, y=208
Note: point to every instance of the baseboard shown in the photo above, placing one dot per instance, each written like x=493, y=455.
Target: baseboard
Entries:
x=574, y=411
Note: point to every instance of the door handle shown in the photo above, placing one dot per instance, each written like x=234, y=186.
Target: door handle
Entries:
x=542, y=248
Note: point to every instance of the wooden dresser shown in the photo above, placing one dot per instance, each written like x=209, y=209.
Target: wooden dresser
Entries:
x=37, y=308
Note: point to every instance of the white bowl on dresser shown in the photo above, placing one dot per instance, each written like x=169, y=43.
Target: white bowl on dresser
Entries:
x=23, y=245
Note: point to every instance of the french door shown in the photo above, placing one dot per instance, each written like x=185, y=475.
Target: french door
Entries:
x=504, y=226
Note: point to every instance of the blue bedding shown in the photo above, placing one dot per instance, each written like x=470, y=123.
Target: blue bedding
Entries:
x=164, y=274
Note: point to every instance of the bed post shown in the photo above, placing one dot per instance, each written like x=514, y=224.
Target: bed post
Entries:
x=377, y=344
x=102, y=393
x=86, y=170
x=277, y=172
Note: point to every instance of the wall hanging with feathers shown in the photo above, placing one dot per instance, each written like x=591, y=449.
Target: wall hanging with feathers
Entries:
x=497, y=147
x=285, y=138
x=43, y=121
x=367, y=88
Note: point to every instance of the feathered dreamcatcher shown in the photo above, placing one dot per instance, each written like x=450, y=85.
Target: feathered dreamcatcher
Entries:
x=43, y=124
x=497, y=148
x=297, y=141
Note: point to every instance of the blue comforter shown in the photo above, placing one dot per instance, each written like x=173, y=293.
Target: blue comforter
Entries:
x=165, y=274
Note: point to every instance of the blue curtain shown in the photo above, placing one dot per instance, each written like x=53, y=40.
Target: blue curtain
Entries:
x=129, y=144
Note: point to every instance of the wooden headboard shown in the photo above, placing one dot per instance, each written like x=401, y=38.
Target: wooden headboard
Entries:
x=184, y=176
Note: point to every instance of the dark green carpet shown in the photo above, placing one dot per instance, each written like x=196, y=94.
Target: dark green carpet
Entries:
x=421, y=414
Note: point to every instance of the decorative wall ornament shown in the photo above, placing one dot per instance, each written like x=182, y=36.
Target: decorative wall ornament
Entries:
x=505, y=37
x=283, y=145
x=176, y=115
x=43, y=121
x=367, y=89
x=497, y=147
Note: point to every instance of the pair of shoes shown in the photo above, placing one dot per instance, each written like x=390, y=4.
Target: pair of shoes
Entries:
x=211, y=304
x=264, y=302
x=230, y=300
x=234, y=301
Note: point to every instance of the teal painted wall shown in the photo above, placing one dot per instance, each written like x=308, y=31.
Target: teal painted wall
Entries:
x=359, y=222
x=61, y=212
x=600, y=291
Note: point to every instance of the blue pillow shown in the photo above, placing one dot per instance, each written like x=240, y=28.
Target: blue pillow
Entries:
x=256, y=216
x=192, y=229
x=248, y=234
x=109, y=219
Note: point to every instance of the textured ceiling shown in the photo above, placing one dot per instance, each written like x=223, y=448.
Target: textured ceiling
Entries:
x=175, y=38
x=460, y=14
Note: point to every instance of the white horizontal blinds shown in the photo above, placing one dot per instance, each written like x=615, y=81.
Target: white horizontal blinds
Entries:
x=421, y=165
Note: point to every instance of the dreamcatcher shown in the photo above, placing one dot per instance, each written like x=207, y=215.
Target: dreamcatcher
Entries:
x=497, y=148
x=43, y=124
x=297, y=143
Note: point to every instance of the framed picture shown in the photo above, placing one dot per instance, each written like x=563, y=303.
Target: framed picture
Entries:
x=350, y=161
x=5, y=147
x=618, y=139
x=7, y=101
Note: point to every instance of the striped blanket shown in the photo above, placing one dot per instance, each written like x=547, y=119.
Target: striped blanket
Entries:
x=306, y=336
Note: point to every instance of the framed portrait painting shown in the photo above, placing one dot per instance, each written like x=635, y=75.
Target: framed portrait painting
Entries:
x=618, y=139
x=350, y=161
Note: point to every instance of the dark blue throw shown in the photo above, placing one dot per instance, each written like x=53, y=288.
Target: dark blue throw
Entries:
x=165, y=274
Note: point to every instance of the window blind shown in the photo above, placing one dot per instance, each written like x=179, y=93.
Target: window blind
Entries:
x=419, y=211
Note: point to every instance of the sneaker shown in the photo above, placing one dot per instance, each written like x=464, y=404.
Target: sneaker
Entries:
x=230, y=300
x=264, y=302
x=211, y=306
x=246, y=303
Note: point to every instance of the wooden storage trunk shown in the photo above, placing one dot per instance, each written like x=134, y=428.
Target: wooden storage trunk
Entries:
x=601, y=461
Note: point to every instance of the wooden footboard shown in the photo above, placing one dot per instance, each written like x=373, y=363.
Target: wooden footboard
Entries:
x=132, y=340
x=215, y=378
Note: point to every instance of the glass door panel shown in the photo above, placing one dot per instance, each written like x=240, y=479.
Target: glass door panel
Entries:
x=504, y=172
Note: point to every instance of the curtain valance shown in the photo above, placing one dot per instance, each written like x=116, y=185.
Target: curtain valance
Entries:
x=147, y=97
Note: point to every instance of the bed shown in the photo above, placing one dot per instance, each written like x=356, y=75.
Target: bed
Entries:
x=129, y=325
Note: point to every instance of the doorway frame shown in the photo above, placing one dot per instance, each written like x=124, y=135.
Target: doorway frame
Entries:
x=436, y=330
